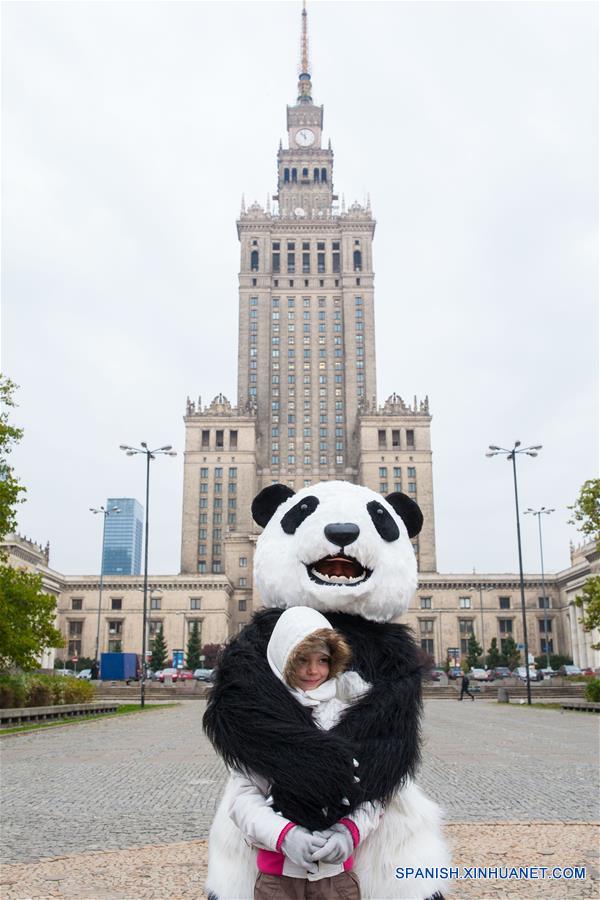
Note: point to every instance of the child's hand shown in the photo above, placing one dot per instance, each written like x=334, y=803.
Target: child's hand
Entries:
x=338, y=844
x=299, y=845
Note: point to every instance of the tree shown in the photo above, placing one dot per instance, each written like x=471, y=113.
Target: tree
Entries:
x=27, y=614
x=511, y=655
x=159, y=651
x=589, y=602
x=494, y=657
x=210, y=653
x=193, y=649
x=474, y=651
x=586, y=510
x=586, y=515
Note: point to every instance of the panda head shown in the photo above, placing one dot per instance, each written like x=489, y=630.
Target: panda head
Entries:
x=337, y=547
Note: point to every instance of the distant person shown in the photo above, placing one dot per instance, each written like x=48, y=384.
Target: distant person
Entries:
x=94, y=672
x=464, y=688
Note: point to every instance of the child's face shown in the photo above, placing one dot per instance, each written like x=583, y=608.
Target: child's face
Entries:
x=312, y=671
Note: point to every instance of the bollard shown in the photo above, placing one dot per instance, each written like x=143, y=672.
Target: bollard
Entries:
x=503, y=695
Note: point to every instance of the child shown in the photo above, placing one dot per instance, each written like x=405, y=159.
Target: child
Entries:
x=310, y=657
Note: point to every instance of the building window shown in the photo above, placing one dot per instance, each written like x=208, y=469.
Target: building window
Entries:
x=233, y=440
x=115, y=628
x=205, y=439
x=426, y=626
x=381, y=438
x=114, y=646
x=76, y=603
x=546, y=646
x=383, y=487
x=155, y=602
x=397, y=471
x=425, y=602
x=116, y=603
x=242, y=604
x=542, y=626
x=195, y=602
x=357, y=261
x=505, y=626
x=412, y=472
x=464, y=602
x=544, y=603
x=202, y=566
x=254, y=261
x=219, y=444
x=410, y=438
x=383, y=471
x=243, y=561
x=75, y=629
x=504, y=602
x=216, y=566
x=427, y=645
x=203, y=473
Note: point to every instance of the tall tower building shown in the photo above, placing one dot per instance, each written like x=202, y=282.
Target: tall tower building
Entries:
x=307, y=398
x=122, y=545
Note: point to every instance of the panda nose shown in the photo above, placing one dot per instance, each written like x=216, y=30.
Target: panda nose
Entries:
x=342, y=533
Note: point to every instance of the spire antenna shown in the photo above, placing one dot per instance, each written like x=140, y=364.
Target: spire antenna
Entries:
x=304, y=59
x=304, y=85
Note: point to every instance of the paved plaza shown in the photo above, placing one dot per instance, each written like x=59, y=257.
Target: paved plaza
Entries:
x=154, y=779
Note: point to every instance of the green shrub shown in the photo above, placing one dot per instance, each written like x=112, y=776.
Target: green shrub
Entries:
x=39, y=692
x=592, y=691
x=18, y=691
x=13, y=691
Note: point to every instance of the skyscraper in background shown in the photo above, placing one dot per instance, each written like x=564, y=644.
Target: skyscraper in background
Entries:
x=307, y=407
x=122, y=548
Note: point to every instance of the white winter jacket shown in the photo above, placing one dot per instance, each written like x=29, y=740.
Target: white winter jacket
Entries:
x=250, y=807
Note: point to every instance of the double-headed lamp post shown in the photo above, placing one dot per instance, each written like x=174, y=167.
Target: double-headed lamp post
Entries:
x=512, y=455
x=149, y=454
x=539, y=513
x=114, y=510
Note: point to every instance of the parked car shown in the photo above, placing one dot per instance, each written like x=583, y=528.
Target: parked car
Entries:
x=203, y=674
x=501, y=672
x=171, y=673
x=588, y=671
x=569, y=670
x=85, y=674
x=534, y=674
x=549, y=673
x=184, y=675
x=480, y=675
x=155, y=676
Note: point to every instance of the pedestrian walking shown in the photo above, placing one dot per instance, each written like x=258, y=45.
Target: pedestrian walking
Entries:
x=464, y=688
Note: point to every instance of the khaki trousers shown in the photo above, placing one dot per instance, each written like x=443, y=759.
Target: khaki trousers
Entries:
x=344, y=886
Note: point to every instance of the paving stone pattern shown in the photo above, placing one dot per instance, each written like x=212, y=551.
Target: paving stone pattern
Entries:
x=154, y=779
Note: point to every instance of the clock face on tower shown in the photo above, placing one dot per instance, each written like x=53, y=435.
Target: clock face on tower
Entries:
x=305, y=137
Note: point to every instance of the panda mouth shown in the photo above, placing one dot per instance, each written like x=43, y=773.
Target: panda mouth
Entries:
x=338, y=569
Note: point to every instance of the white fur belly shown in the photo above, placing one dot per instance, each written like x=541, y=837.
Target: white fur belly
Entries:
x=409, y=834
x=231, y=862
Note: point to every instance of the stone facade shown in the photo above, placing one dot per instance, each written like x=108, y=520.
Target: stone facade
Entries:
x=174, y=601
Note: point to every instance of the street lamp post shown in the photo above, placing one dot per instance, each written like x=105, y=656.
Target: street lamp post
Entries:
x=105, y=514
x=149, y=454
x=512, y=455
x=539, y=513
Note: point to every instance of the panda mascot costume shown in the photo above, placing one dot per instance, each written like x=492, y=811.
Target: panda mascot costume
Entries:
x=344, y=550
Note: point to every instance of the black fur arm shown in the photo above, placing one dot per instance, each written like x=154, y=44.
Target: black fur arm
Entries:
x=384, y=726
x=257, y=726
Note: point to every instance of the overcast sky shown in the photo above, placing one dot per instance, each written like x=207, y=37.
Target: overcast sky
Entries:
x=130, y=132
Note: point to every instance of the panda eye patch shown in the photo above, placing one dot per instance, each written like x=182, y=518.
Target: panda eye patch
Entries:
x=383, y=522
x=295, y=516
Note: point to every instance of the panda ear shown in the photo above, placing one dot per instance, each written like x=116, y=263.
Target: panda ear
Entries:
x=408, y=511
x=265, y=503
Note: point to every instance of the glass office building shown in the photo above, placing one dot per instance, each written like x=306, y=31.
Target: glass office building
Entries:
x=122, y=549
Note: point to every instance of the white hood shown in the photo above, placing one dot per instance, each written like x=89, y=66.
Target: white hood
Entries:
x=293, y=626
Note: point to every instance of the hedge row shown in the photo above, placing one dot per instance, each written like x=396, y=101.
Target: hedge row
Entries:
x=592, y=691
x=18, y=691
